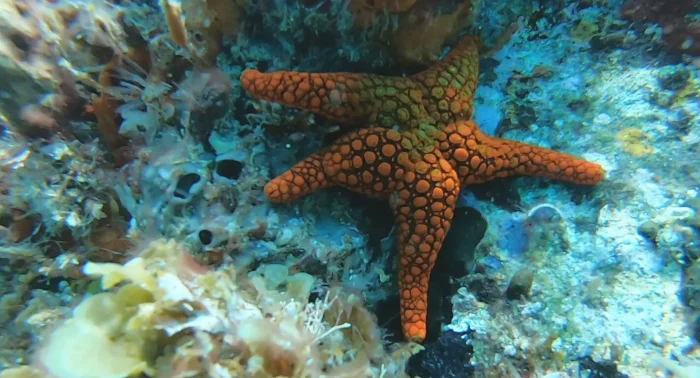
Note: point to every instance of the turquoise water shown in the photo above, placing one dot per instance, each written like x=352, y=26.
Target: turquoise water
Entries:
x=349, y=188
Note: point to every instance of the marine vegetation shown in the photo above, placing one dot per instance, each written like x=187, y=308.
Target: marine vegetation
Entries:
x=349, y=188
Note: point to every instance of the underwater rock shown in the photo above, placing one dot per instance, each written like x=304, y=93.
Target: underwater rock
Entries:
x=228, y=168
x=446, y=357
x=487, y=67
x=520, y=284
x=607, y=42
x=162, y=314
x=603, y=369
x=683, y=368
x=542, y=228
x=517, y=241
x=694, y=203
x=456, y=259
x=203, y=188
x=457, y=254
x=16, y=225
x=649, y=229
x=673, y=77
x=423, y=30
x=519, y=114
x=675, y=235
x=377, y=225
x=503, y=193
x=41, y=70
x=95, y=338
x=205, y=237
x=22, y=372
x=186, y=187
x=545, y=227
x=207, y=23
x=690, y=294
x=681, y=31
x=171, y=182
x=365, y=11
x=544, y=213
x=202, y=99
x=484, y=288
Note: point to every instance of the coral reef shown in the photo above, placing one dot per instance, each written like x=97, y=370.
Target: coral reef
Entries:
x=681, y=28
x=425, y=28
x=139, y=233
x=46, y=48
x=365, y=11
x=171, y=316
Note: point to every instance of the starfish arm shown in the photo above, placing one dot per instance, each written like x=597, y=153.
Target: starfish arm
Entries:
x=422, y=188
x=364, y=161
x=337, y=96
x=450, y=84
x=479, y=158
x=342, y=97
x=424, y=205
x=303, y=178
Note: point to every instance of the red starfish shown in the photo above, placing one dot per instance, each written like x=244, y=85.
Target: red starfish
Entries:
x=420, y=168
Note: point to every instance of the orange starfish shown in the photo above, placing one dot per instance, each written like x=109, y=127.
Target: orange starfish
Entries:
x=420, y=148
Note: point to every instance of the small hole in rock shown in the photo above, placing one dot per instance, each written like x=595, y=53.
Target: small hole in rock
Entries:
x=45, y=283
x=231, y=169
x=21, y=42
x=6, y=220
x=206, y=237
x=243, y=133
x=185, y=183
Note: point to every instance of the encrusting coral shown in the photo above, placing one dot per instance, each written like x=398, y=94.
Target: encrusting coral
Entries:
x=162, y=314
x=47, y=48
x=365, y=11
x=423, y=30
x=419, y=168
x=678, y=19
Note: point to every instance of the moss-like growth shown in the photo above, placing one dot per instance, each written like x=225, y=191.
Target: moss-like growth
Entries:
x=98, y=342
x=161, y=314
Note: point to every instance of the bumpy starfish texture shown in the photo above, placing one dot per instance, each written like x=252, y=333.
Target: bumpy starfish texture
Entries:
x=443, y=93
x=421, y=167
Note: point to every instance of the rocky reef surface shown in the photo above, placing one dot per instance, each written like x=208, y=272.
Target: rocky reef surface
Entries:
x=138, y=239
